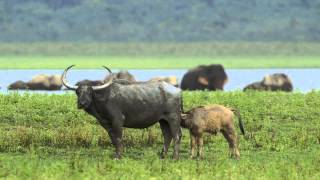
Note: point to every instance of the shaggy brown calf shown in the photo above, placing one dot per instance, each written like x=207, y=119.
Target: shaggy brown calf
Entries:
x=211, y=119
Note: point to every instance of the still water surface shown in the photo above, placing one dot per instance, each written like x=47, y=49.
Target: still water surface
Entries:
x=303, y=79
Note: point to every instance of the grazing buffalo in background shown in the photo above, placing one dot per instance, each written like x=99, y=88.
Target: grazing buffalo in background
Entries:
x=39, y=82
x=18, y=85
x=211, y=119
x=211, y=77
x=124, y=77
x=137, y=105
x=273, y=82
x=121, y=77
x=45, y=82
x=170, y=79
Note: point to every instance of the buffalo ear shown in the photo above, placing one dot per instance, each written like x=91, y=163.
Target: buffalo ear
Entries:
x=203, y=80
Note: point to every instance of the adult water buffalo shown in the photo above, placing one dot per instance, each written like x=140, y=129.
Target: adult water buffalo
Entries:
x=136, y=105
x=39, y=82
x=45, y=82
x=18, y=85
x=273, y=82
x=211, y=77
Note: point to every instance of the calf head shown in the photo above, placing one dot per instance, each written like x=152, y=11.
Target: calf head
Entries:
x=186, y=120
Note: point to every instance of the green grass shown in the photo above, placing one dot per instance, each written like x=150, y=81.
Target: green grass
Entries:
x=165, y=55
x=156, y=62
x=47, y=137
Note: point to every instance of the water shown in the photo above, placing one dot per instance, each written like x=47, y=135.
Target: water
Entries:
x=303, y=79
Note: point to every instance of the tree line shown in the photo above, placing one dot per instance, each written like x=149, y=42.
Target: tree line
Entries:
x=159, y=20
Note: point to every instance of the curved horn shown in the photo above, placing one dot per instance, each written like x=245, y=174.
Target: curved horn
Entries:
x=64, y=81
x=105, y=84
x=107, y=69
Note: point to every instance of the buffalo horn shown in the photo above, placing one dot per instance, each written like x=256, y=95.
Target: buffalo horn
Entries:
x=64, y=81
x=106, y=84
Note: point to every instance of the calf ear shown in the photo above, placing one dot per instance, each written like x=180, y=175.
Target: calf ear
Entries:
x=203, y=80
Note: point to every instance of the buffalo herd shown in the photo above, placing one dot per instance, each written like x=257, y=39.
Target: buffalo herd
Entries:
x=204, y=77
x=120, y=101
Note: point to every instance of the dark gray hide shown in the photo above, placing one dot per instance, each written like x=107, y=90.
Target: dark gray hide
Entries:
x=89, y=82
x=134, y=106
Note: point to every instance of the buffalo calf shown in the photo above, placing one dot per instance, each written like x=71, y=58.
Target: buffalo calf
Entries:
x=211, y=119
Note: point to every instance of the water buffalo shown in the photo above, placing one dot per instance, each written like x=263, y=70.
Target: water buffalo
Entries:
x=212, y=119
x=273, y=82
x=18, y=85
x=121, y=77
x=211, y=77
x=170, y=79
x=45, y=82
x=138, y=105
x=39, y=82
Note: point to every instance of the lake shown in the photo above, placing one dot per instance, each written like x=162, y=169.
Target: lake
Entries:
x=303, y=79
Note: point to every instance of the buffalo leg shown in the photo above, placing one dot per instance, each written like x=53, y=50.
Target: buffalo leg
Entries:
x=167, y=137
x=192, y=145
x=176, y=133
x=230, y=136
x=117, y=132
x=117, y=123
x=104, y=123
x=108, y=128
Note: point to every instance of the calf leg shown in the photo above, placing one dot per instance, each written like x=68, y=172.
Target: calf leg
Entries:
x=167, y=137
x=192, y=145
x=229, y=134
x=200, y=146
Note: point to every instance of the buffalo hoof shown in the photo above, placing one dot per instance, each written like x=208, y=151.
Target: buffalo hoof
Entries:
x=201, y=157
x=175, y=157
x=235, y=157
x=162, y=156
x=117, y=157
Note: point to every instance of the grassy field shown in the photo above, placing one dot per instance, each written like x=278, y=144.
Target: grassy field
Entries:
x=159, y=55
x=119, y=62
x=47, y=137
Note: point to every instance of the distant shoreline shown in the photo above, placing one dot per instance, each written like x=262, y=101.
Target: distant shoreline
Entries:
x=157, y=62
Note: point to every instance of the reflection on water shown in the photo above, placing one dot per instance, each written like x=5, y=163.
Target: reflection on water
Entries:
x=303, y=79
